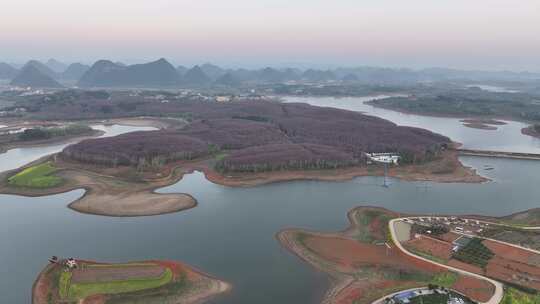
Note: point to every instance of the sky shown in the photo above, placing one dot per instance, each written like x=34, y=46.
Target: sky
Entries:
x=465, y=34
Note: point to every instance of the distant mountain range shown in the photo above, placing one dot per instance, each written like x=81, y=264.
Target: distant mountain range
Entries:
x=105, y=73
x=160, y=73
x=57, y=66
x=75, y=71
x=31, y=76
x=7, y=71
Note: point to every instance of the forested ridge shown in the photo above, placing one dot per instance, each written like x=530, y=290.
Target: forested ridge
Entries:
x=263, y=136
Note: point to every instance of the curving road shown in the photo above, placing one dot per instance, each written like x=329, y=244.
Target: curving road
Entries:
x=497, y=295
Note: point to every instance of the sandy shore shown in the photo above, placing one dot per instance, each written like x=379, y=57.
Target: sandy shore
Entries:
x=113, y=192
x=107, y=195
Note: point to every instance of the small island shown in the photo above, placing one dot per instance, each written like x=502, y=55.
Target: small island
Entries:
x=80, y=281
x=386, y=255
x=533, y=130
x=482, y=124
x=32, y=134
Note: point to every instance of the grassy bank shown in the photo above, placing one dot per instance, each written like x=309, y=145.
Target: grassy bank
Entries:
x=83, y=290
x=39, y=176
x=514, y=296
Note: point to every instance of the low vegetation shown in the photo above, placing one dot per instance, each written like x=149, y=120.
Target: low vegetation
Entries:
x=46, y=133
x=474, y=253
x=280, y=137
x=467, y=102
x=445, y=279
x=38, y=176
x=515, y=296
x=64, y=284
x=83, y=290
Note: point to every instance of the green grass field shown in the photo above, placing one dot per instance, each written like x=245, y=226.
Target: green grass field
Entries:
x=39, y=176
x=445, y=279
x=82, y=290
x=514, y=296
x=63, y=284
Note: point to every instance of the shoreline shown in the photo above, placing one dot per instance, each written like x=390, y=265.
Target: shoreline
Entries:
x=342, y=283
x=107, y=193
x=461, y=174
x=139, y=121
x=505, y=119
x=51, y=141
x=529, y=131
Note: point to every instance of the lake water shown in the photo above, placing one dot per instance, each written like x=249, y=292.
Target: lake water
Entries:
x=507, y=138
x=17, y=157
x=231, y=233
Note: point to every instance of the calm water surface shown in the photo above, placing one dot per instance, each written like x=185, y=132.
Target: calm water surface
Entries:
x=506, y=138
x=231, y=233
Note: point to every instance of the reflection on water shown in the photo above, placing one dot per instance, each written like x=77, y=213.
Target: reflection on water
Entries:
x=507, y=138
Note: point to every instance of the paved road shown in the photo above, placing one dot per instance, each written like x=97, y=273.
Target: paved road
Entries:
x=497, y=295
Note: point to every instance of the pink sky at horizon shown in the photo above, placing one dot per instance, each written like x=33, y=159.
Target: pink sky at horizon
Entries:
x=479, y=34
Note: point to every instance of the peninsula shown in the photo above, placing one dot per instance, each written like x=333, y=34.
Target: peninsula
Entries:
x=385, y=255
x=80, y=281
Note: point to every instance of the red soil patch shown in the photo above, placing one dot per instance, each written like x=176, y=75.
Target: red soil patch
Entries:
x=42, y=286
x=376, y=228
x=476, y=289
x=514, y=265
x=436, y=248
x=449, y=237
x=95, y=299
x=509, y=252
x=352, y=254
x=464, y=266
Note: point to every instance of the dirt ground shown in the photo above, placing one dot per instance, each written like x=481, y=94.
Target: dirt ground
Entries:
x=362, y=271
x=514, y=265
x=449, y=237
x=434, y=247
x=476, y=289
x=351, y=254
x=107, y=196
